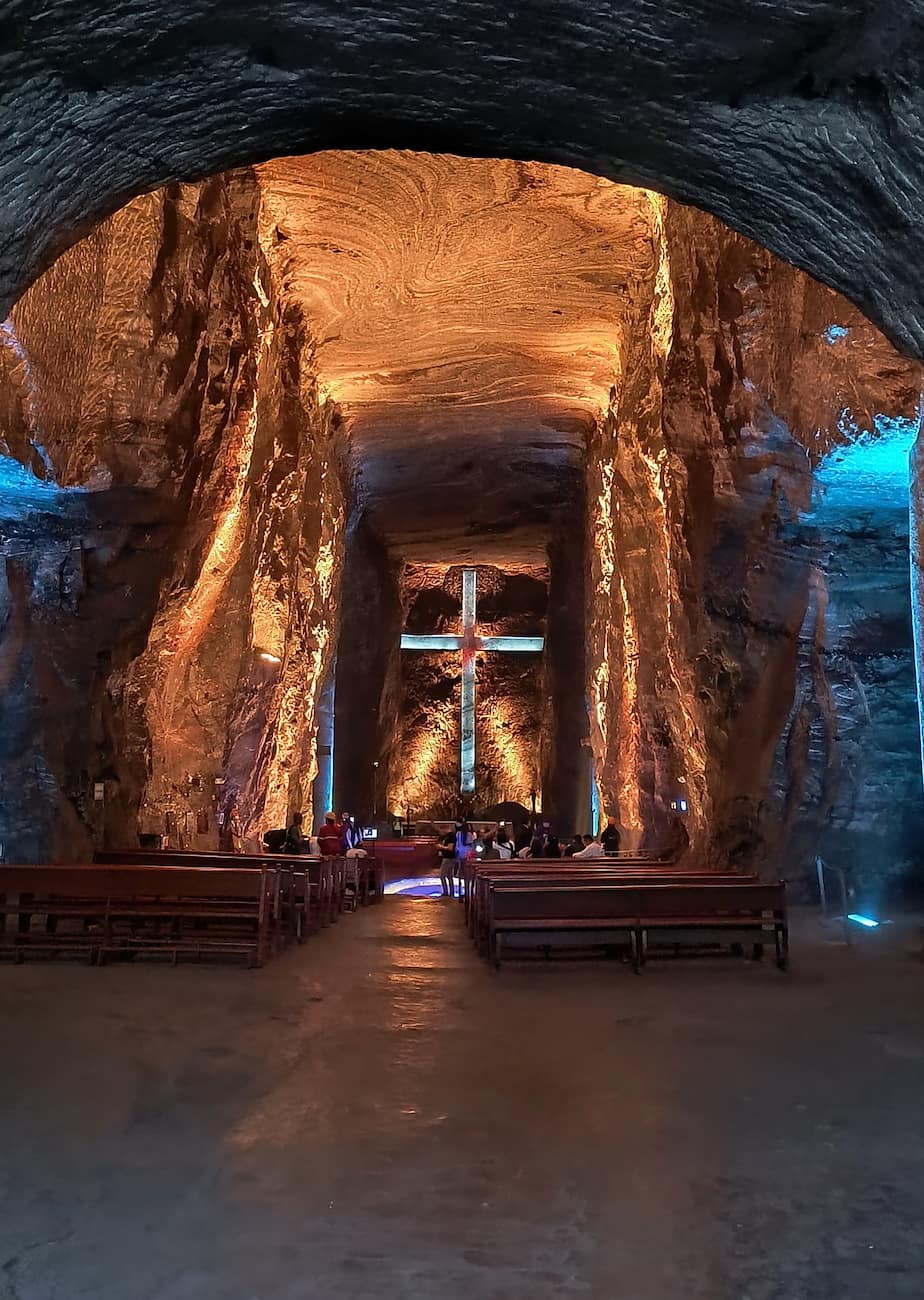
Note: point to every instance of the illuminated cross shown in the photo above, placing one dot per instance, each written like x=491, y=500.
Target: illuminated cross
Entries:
x=470, y=644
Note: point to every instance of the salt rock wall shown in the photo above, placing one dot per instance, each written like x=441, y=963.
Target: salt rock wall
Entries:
x=79, y=585
x=698, y=475
x=368, y=672
x=847, y=778
x=158, y=356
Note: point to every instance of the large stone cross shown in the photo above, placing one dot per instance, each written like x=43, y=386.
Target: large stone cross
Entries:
x=470, y=643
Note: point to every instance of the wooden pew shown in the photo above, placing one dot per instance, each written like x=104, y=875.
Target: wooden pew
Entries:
x=372, y=877
x=623, y=862
x=100, y=910
x=482, y=900
x=547, y=872
x=731, y=910
x=310, y=887
x=721, y=910
x=556, y=913
x=328, y=876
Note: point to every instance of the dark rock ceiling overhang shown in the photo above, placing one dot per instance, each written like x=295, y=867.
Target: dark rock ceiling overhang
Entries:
x=801, y=126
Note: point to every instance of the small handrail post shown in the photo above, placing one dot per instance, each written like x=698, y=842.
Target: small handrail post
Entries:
x=822, y=892
x=821, y=866
x=845, y=905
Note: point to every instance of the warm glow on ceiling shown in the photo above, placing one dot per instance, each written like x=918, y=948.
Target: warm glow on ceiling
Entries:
x=469, y=316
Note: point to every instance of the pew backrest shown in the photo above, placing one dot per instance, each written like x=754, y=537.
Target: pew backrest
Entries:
x=132, y=881
x=645, y=902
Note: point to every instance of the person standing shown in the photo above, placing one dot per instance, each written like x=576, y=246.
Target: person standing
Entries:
x=330, y=837
x=503, y=845
x=352, y=834
x=447, y=852
x=610, y=838
x=295, y=838
x=235, y=830
x=465, y=851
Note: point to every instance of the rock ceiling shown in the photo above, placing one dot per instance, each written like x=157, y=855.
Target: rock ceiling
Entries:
x=798, y=124
x=469, y=316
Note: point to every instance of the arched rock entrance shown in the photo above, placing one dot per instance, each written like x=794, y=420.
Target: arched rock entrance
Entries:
x=800, y=127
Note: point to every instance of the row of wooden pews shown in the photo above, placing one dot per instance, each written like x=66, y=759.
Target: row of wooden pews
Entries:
x=336, y=884
x=178, y=904
x=643, y=906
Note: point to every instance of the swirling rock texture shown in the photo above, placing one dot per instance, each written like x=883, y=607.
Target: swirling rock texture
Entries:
x=156, y=357
x=472, y=306
x=742, y=373
x=389, y=360
x=800, y=125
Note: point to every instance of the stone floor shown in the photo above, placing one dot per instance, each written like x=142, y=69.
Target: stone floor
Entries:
x=377, y=1115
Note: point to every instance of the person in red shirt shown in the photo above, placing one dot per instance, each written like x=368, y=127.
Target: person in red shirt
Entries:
x=330, y=837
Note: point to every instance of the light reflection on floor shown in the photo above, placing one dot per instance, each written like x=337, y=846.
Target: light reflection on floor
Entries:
x=416, y=887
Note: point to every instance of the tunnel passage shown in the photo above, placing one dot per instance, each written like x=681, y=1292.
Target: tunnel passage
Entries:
x=346, y=369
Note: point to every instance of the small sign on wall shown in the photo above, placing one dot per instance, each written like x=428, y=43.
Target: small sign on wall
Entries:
x=99, y=792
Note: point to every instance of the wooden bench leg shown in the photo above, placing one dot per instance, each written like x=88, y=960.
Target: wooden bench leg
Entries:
x=782, y=946
x=636, y=948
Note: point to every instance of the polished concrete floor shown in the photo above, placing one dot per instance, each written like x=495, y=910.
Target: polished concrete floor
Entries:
x=378, y=1115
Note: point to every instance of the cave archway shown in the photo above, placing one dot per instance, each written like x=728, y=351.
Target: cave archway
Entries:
x=808, y=140
x=638, y=365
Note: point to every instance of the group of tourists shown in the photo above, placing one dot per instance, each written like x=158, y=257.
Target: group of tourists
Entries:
x=538, y=840
x=338, y=836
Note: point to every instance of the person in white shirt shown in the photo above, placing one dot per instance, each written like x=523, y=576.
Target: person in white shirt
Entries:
x=352, y=834
x=592, y=849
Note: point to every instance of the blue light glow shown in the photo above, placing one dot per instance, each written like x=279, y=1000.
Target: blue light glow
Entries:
x=866, y=921
x=10, y=339
x=914, y=555
x=22, y=494
x=835, y=332
x=872, y=472
x=415, y=887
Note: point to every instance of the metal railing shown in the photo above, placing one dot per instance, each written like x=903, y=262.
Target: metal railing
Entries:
x=841, y=875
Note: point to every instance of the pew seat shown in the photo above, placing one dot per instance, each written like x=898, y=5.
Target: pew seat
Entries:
x=103, y=911
x=639, y=914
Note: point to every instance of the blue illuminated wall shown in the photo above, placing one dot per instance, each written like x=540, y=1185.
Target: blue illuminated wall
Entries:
x=79, y=580
x=850, y=761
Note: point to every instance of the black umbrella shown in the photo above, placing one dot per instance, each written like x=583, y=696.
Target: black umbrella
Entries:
x=509, y=811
